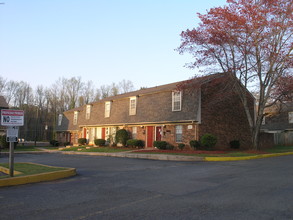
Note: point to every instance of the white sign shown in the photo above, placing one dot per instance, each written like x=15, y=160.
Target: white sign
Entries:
x=11, y=117
x=11, y=139
x=12, y=134
x=12, y=131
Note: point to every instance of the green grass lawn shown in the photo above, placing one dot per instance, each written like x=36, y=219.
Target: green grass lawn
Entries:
x=96, y=149
x=277, y=149
x=22, y=148
x=280, y=149
x=30, y=169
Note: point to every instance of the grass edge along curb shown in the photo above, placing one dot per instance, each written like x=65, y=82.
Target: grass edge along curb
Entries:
x=246, y=157
x=6, y=170
x=49, y=176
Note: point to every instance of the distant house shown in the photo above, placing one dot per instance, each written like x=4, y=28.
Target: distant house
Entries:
x=3, y=105
x=279, y=121
x=164, y=113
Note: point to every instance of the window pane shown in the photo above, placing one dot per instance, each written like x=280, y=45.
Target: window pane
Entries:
x=132, y=106
x=178, y=133
x=134, y=132
x=176, y=101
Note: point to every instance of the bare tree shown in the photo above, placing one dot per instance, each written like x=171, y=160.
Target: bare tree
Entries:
x=73, y=90
x=2, y=84
x=10, y=91
x=126, y=86
x=88, y=93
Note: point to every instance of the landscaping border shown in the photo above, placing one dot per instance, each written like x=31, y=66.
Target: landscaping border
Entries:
x=246, y=157
x=19, y=180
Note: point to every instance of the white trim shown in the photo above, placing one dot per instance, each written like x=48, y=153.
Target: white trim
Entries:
x=107, y=109
x=175, y=98
x=75, y=117
x=176, y=126
x=290, y=117
x=60, y=119
x=134, y=132
x=88, y=112
x=132, y=108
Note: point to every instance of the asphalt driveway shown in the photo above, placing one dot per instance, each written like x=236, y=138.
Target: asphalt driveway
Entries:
x=123, y=188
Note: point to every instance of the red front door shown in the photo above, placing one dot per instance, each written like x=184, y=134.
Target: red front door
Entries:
x=103, y=133
x=84, y=132
x=150, y=136
x=158, y=133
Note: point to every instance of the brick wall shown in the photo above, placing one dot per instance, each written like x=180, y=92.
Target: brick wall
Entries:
x=223, y=115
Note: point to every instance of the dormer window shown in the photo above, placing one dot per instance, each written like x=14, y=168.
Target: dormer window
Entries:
x=132, y=106
x=290, y=117
x=75, y=117
x=107, y=109
x=60, y=119
x=176, y=100
x=88, y=111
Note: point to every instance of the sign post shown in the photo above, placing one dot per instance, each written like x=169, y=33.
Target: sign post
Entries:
x=11, y=119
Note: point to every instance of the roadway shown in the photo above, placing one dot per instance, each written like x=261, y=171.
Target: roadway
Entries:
x=124, y=188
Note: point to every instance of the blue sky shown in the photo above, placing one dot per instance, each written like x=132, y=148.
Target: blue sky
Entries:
x=100, y=40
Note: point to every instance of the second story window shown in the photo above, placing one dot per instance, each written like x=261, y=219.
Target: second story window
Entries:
x=107, y=109
x=176, y=101
x=290, y=117
x=75, y=117
x=88, y=111
x=132, y=106
x=60, y=119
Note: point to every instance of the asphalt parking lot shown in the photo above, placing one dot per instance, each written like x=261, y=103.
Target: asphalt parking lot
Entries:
x=123, y=188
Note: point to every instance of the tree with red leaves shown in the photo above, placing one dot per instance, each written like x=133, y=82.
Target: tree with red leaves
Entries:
x=249, y=40
x=283, y=90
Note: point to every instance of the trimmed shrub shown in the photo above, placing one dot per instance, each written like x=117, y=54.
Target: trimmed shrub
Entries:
x=3, y=143
x=100, y=142
x=235, y=144
x=135, y=143
x=208, y=141
x=66, y=143
x=81, y=141
x=162, y=145
x=54, y=143
x=169, y=147
x=194, y=144
x=122, y=136
x=181, y=146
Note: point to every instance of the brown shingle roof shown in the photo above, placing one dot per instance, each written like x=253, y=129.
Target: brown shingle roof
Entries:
x=156, y=89
x=3, y=103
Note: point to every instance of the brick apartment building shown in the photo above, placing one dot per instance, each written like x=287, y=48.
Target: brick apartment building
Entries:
x=172, y=113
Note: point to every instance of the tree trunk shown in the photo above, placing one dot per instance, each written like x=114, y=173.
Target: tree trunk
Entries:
x=255, y=138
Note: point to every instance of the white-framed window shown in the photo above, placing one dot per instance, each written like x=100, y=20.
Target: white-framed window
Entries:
x=132, y=106
x=178, y=133
x=60, y=119
x=290, y=117
x=263, y=122
x=107, y=109
x=134, y=132
x=176, y=100
x=88, y=111
x=75, y=117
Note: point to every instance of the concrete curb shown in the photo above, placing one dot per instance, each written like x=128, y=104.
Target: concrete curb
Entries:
x=6, y=170
x=246, y=158
x=167, y=157
x=13, y=181
x=139, y=156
